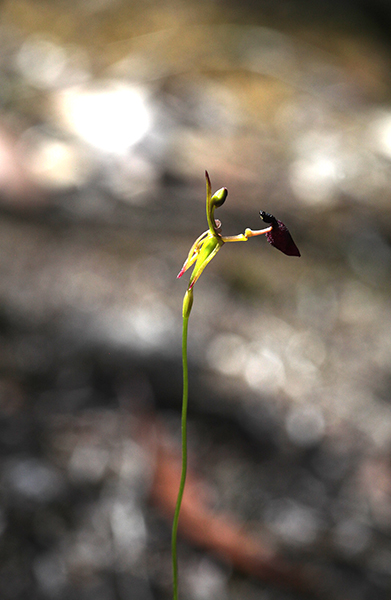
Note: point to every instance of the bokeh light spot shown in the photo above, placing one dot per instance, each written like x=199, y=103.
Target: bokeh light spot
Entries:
x=110, y=116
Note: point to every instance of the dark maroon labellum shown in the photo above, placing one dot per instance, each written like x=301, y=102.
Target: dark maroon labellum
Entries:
x=279, y=236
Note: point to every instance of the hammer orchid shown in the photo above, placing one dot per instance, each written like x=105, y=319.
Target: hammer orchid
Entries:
x=201, y=253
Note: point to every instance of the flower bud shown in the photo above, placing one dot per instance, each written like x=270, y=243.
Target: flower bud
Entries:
x=219, y=198
x=187, y=303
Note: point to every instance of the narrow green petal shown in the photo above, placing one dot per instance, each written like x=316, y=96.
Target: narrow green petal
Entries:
x=210, y=247
x=193, y=253
x=209, y=210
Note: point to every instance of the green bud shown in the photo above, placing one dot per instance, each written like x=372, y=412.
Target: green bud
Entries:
x=187, y=303
x=219, y=198
x=213, y=202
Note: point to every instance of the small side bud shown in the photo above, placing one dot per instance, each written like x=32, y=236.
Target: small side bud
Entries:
x=219, y=197
x=187, y=303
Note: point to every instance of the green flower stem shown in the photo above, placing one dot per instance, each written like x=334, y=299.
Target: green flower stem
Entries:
x=187, y=304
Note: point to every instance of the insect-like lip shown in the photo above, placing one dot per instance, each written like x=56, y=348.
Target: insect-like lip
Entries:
x=268, y=218
x=279, y=236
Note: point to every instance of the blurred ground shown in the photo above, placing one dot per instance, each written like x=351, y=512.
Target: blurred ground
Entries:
x=110, y=113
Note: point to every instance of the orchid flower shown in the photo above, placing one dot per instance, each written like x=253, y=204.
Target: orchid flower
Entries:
x=209, y=243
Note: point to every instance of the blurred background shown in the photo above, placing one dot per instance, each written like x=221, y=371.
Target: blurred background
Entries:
x=111, y=110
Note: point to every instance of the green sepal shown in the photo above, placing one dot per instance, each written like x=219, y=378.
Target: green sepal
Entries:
x=211, y=244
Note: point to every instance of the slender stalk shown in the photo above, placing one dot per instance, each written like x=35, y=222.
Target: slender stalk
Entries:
x=244, y=237
x=184, y=454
